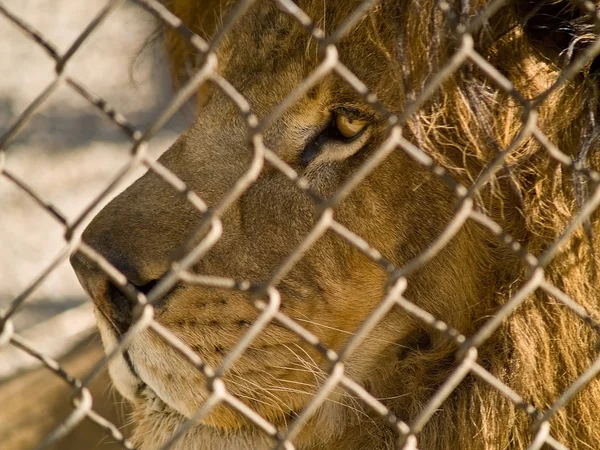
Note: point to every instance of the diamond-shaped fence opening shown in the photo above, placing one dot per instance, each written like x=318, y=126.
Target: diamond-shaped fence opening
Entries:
x=461, y=46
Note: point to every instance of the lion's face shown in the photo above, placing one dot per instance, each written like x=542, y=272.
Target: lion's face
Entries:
x=326, y=136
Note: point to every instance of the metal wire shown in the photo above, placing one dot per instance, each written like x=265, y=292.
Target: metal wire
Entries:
x=265, y=297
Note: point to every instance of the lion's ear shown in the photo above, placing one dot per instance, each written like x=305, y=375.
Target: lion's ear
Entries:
x=559, y=29
x=201, y=17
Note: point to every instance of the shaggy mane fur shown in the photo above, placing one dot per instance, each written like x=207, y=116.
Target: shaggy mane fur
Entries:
x=542, y=347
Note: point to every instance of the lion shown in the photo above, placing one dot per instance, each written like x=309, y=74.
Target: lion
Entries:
x=400, y=208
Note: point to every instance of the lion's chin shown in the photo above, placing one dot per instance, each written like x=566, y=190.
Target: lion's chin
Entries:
x=124, y=377
x=125, y=380
x=221, y=418
x=156, y=425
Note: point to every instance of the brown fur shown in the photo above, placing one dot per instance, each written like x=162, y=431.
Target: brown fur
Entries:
x=399, y=209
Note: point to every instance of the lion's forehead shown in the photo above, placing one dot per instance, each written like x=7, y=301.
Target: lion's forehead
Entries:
x=269, y=52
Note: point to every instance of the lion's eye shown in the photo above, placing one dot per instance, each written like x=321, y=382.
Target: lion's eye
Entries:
x=349, y=127
x=341, y=137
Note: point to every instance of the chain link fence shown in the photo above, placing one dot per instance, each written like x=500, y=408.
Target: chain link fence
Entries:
x=265, y=296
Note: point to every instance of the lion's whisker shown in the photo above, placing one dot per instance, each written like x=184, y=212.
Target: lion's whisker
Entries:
x=273, y=396
x=307, y=320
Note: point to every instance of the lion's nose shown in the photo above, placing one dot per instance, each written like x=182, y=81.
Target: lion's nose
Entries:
x=116, y=307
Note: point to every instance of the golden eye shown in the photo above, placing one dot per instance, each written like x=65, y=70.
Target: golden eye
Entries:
x=349, y=127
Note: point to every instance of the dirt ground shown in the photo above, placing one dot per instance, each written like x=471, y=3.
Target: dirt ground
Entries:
x=68, y=152
x=35, y=403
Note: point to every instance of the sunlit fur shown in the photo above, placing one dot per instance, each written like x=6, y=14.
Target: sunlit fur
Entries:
x=538, y=351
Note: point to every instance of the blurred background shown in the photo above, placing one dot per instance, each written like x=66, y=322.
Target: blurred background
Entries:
x=68, y=153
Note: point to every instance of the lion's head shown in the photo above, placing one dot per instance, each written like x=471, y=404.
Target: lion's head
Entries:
x=330, y=133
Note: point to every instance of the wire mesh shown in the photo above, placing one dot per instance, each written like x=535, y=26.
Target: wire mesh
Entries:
x=265, y=296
